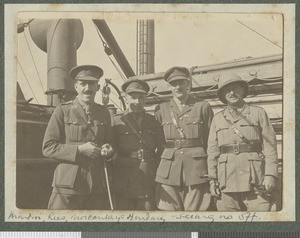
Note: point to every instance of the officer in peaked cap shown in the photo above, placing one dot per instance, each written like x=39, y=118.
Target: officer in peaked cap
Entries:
x=242, y=155
x=79, y=136
x=185, y=121
x=139, y=142
x=86, y=73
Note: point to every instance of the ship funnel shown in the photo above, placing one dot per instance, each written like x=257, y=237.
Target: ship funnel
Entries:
x=60, y=39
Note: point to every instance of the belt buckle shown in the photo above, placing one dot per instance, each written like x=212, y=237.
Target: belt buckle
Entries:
x=177, y=144
x=141, y=154
x=236, y=148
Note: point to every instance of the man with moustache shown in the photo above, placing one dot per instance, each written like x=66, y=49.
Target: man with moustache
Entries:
x=185, y=121
x=242, y=155
x=139, y=141
x=79, y=136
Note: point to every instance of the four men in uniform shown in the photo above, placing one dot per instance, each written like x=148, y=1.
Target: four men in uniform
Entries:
x=161, y=162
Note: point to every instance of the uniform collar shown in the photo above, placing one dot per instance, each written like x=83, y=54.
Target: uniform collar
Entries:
x=227, y=114
x=186, y=108
x=80, y=109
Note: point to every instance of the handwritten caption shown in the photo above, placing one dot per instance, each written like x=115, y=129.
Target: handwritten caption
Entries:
x=51, y=216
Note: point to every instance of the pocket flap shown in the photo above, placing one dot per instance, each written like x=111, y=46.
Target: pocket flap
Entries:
x=194, y=120
x=222, y=159
x=100, y=123
x=254, y=156
x=166, y=122
x=71, y=121
x=168, y=154
x=65, y=175
x=199, y=153
x=222, y=127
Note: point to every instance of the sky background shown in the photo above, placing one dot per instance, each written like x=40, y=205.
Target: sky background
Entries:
x=183, y=39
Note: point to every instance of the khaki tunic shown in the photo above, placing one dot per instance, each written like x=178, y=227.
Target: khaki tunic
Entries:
x=66, y=130
x=132, y=177
x=237, y=172
x=195, y=120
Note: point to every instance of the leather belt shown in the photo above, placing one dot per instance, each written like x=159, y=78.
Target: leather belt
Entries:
x=142, y=154
x=240, y=148
x=183, y=143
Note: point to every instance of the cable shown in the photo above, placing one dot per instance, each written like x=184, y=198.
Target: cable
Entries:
x=259, y=34
x=33, y=58
x=27, y=81
x=105, y=46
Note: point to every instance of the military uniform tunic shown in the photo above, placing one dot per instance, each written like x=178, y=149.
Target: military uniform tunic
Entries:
x=134, y=173
x=181, y=170
x=78, y=182
x=241, y=172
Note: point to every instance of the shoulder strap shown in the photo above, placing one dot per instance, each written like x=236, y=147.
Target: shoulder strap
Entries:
x=135, y=132
x=233, y=127
x=178, y=128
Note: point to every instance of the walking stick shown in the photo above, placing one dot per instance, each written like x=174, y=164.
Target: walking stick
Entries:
x=108, y=187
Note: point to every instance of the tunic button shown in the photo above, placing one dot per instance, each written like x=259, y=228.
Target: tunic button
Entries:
x=140, y=141
x=126, y=133
x=140, y=132
x=181, y=118
x=181, y=152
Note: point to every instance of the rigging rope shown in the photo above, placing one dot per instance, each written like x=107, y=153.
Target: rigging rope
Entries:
x=27, y=80
x=259, y=34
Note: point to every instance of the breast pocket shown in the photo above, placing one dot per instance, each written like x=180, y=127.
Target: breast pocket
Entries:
x=224, y=135
x=75, y=130
x=166, y=124
x=101, y=127
x=194, y=128
x=250, y=129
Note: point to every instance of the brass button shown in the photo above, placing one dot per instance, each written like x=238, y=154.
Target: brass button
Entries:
x=181, y=152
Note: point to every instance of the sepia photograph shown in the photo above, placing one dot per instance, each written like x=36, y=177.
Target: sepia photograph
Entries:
x=150, y=114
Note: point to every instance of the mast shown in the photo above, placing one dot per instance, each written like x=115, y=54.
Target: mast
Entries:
x=145, y=47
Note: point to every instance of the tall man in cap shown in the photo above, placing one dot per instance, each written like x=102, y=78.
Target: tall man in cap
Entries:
x=186, y=122
x=139, y=141
x=79, y=136
x=242, y=156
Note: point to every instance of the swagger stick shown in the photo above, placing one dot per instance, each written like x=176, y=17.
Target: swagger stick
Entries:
x=108, y=187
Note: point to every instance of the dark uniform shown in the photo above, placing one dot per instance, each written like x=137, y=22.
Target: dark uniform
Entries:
x=241, y=167
x=135, y=166
x=180, y=174
x=78, y=182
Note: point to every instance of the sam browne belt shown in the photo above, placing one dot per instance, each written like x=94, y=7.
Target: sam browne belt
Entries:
x=183, y=143
x=240, y=148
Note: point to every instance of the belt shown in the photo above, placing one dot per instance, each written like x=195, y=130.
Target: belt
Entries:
x=183, y=143
x=240, y=148
x=141, y=154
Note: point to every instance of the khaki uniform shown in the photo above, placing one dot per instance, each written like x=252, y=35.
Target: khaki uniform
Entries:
x=78, y=182
x=183, y=164
x=239, y=173
x=135, y=166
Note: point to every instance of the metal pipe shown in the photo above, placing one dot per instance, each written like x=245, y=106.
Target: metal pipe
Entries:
x=113, y=45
